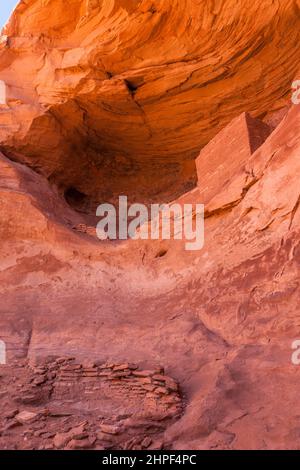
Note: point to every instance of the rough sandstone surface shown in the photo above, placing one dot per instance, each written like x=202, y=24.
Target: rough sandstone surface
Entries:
x=104, y=95
x=128, y=92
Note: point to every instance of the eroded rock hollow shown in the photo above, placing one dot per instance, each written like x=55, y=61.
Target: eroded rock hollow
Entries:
x=185, y=101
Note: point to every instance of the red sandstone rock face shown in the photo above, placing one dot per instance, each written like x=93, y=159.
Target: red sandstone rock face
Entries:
x=130, y=93
x=99, y=99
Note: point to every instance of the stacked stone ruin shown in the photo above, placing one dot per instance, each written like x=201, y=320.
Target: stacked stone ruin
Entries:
x=69, y=400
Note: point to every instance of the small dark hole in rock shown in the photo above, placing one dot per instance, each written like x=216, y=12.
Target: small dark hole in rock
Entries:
x=161, y=253
x=75, y=198
x=132, y=87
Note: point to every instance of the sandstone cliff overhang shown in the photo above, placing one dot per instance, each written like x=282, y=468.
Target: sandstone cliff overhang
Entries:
x=120, y=96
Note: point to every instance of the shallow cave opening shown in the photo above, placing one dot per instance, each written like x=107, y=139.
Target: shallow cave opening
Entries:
x=76, y=199
x=112, y=154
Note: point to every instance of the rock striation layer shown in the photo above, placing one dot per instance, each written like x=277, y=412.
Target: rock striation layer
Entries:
x=119, y=96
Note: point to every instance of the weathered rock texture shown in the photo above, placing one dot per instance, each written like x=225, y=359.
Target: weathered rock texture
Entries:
x=117, y=96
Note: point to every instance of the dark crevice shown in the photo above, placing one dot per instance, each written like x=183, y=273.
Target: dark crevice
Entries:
x=76, y=199
x=131, y=86
x=161, y=253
